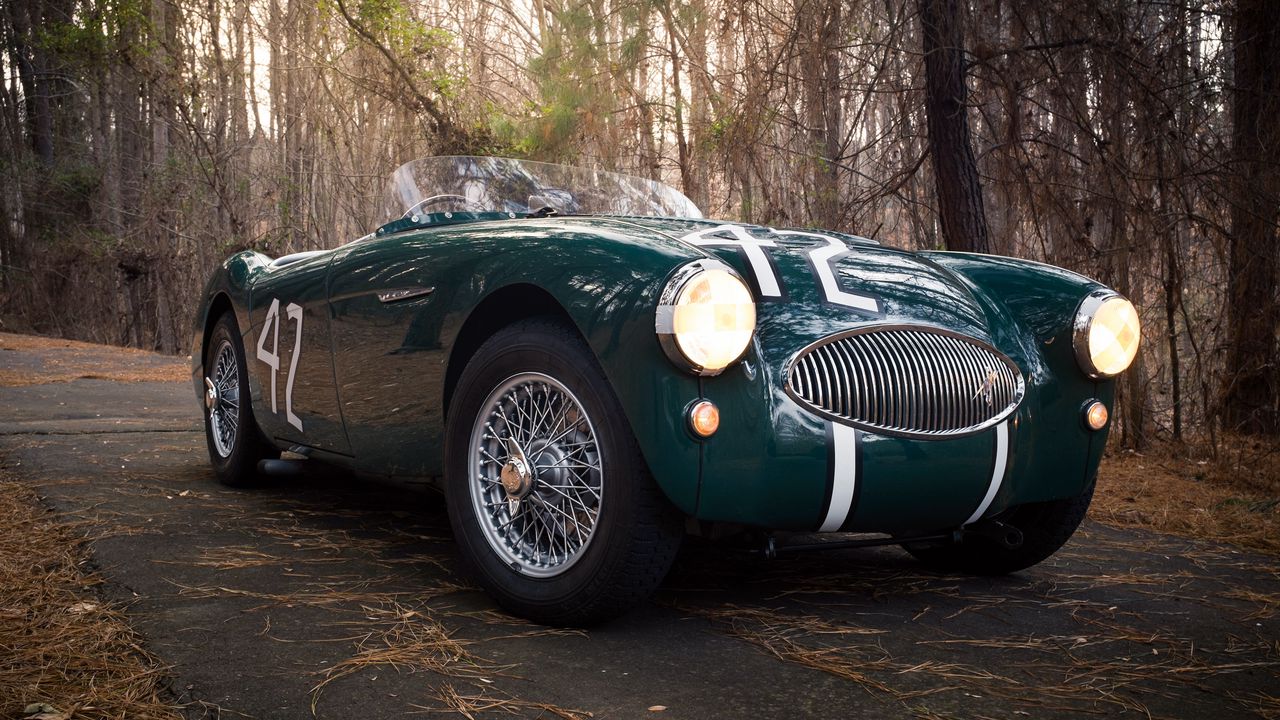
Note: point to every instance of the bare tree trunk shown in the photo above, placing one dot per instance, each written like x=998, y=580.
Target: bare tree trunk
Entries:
x=964, y=224
x=26, y=20
x=699, y=107
x=687, y=184
x=819, y=28
x=1251, y=397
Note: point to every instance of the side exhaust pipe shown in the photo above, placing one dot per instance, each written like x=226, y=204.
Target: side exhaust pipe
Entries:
x=281, y=468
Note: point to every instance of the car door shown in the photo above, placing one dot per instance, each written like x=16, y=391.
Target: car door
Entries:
x=389, y=359
x=288, y=351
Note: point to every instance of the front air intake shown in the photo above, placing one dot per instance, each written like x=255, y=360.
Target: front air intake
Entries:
x=906, y=380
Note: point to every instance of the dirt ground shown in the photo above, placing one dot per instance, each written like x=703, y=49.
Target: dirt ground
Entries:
x=330, y=597
x=1232, y=498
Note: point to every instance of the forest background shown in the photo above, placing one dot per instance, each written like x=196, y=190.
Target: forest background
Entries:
x=1135, y=142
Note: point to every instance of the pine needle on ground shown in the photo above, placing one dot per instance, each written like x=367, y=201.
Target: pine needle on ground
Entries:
x=60, y=644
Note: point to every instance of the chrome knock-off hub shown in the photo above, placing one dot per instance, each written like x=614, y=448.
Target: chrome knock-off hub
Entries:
x=516, y=475
x=516, y=478
x=210, y=394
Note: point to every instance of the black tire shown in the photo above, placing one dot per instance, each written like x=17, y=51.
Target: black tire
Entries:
x=235, y=458
x=634, y=533
x=1045, y=527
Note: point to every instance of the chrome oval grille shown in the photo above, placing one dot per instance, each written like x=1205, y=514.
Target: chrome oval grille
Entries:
x=907, y=380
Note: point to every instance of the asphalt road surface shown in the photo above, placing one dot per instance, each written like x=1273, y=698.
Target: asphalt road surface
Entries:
x=327, y=596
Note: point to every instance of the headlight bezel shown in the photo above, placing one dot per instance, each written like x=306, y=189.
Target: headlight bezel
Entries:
x=1082, y=325
x=668, y=301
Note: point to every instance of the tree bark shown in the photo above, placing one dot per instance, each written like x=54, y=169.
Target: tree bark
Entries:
x=964, y=223
x=31, y=61
x=819, y=29
x=1251, y=394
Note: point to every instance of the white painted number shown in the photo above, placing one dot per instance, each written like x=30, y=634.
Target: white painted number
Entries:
x=294, y=312
x=822, y=261
x=751, y=246
x=271, y=323
x=272, y=359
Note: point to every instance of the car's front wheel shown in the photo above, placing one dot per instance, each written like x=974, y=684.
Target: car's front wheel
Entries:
x=550, y=500
x=1045, y=527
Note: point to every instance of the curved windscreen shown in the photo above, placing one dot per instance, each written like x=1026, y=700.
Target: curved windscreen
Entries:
x=489, y=184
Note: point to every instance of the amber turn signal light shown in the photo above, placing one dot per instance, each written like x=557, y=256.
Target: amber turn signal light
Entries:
x=1095, y=415
x=704, y=418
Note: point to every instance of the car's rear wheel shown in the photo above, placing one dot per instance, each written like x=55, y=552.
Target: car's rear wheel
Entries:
x=1045, y=528
x=235, y=444
x=550, y=500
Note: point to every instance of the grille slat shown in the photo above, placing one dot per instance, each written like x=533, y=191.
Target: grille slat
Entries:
x=972, y=372
x=883, y=412
x=925, y=392
x=842, y=372
x=915, y=381
x=924, y=388
x=847, y=374
x=907, y=380
x=864, y=381
x=902, y=381
x=934, y=393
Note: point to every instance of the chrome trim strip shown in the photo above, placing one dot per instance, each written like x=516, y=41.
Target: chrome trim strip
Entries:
x=390, y=296
x=1080, y=325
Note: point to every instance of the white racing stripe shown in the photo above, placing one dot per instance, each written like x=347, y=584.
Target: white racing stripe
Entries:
x=997, y=472
x=844, y=474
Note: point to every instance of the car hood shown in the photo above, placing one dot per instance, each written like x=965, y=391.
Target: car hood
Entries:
x=829, y=282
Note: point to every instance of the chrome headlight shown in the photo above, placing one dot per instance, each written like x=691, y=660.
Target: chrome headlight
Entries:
x=1107, y=334
x=706, y=317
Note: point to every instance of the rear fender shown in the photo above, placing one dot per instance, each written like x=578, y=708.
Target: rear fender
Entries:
x=228, y=287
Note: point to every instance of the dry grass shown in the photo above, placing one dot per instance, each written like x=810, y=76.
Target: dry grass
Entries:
x=59, y=644
x=781, y=635
x=1265, y=705
x=1234, y=498
x=65, y=360
x=1111, y=667
x=471, y=706
x=412, y=641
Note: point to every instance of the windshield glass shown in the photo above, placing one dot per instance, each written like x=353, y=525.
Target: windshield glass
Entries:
x=488, y=184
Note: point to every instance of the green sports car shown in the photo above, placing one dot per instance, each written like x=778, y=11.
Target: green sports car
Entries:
x=591, y=370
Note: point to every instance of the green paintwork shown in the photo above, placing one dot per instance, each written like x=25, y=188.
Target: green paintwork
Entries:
x=371, y=381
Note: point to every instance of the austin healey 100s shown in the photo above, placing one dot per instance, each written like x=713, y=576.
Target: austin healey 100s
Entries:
x=584, y=363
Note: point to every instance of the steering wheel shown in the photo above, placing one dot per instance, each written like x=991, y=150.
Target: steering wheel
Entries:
x=423, y=203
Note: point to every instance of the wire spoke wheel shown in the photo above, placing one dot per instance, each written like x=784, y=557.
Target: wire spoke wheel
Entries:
x=236, y=445
x=536, y=478
x=222, y=399
x=532, y=431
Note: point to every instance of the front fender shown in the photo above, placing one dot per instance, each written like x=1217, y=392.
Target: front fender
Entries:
x=1042, y=297
x=1042, y=300
x=607, y=277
